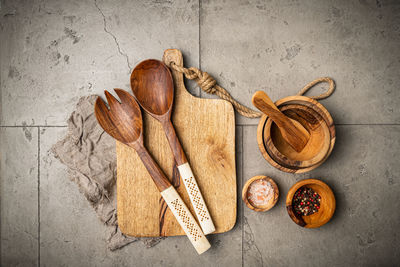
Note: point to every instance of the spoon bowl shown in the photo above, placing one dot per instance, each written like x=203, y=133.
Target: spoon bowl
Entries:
x=153, y=87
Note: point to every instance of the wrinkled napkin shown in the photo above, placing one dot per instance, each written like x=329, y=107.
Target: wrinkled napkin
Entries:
x=89, y=154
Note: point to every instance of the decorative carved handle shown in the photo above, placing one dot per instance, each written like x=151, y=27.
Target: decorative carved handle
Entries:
x=186, y=173
x=199, y=205
x=186, y=220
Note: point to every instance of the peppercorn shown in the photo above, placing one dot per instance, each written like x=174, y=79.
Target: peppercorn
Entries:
x=306, y=201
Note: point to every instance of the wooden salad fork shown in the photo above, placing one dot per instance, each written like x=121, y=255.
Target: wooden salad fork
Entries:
x=153, y=87
x=123, y=121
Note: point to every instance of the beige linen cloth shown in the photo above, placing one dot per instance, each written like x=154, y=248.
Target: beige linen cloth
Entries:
x=89, y=154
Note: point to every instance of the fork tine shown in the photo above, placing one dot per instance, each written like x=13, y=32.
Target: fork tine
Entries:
x=112, y=101
x=129, y=103
x=101, y=105
x=101, y=112
x=104, y=118
x=125, y=97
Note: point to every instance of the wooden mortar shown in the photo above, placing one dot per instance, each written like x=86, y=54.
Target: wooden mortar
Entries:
x=327, y=204
x=316, y=148
x=314, y=110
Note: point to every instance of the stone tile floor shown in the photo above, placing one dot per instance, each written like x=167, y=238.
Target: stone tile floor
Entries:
x=53, y=52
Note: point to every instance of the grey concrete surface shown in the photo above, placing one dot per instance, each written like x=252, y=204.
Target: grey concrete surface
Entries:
x=52, y=52
x=19, y=196
x=71, y=235
x=363, y=231
x=280, y=46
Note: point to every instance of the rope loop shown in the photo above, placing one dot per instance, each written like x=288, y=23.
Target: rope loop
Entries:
x=315, y=82
x=209, y=85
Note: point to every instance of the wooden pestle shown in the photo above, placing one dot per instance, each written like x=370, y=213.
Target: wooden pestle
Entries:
x=292, y=131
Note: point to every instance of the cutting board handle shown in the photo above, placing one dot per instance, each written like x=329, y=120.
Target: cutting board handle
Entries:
x=175, y=55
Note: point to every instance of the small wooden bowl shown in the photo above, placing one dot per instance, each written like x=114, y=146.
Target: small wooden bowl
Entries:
x=327, y=204
x=316, y=148
x=264, y=137
x=272, y=200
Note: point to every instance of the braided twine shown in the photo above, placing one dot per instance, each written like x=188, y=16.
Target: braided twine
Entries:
x=208, y=84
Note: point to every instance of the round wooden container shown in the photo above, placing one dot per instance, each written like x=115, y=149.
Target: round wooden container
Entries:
x=315, y=118
x=272, y=200
x=315, y=150
x=327, y=204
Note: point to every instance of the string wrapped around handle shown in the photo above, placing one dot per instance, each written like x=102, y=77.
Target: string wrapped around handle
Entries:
x=209, y=85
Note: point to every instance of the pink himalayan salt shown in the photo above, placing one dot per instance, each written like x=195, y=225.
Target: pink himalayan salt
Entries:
x=260, y=192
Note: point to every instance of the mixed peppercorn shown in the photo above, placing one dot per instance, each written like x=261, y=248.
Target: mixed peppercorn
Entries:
x=306, y=201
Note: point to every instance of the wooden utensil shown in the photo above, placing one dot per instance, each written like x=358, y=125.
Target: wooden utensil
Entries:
x=292, y=131
x=123, y=121
x=327, y=204
x=153, y=87
x=211, y=154
x=317, y=146
x=265, y=135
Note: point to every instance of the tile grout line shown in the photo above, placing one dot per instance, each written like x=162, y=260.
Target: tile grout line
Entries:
x=38, y=187
x=241, y=177
x=199, y=34
x=341, y=124
x=1, y=257
x=336, y=124
x=200, y=93
x=367, y=124
x=33, y=126
x=245, y=125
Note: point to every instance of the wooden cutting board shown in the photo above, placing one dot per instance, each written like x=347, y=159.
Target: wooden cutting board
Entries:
x=206, y=129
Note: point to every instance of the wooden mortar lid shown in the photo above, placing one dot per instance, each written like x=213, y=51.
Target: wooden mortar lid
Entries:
x=301, y=100
x=272, y=201
x=327, y=204
x=316, y=148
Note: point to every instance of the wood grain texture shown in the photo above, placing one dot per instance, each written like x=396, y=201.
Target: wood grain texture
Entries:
x=206, y=129
x=123, y=121
x=327, y=204
x=152, y=85
x=316, y=148
x=262, y=140
x=291, y=130
x=174, y=143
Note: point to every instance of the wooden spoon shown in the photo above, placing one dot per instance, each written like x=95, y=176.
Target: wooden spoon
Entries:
x=292, y=131
x=153, y=87
x=123, y=121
